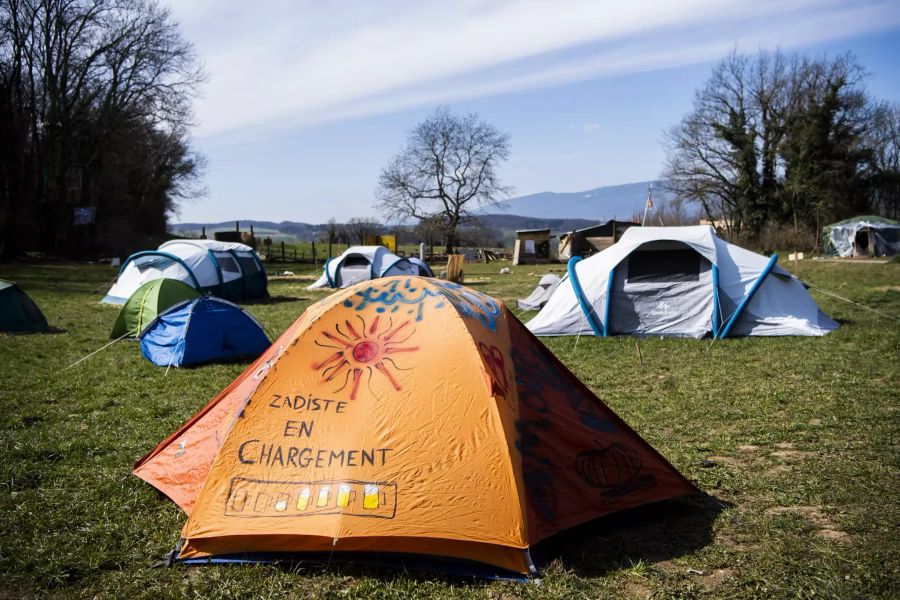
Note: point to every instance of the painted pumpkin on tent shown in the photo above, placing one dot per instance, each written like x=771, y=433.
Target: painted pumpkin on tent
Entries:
x=613, y=465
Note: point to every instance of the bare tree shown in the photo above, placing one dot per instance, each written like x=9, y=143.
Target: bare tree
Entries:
x=329, y=234
x=447, y=168
x=359, y=228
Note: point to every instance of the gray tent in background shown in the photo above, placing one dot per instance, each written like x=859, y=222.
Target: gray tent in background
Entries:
x=538, y=298
x=862, y=236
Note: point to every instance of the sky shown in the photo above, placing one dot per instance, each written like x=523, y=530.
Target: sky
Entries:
x=306, y=101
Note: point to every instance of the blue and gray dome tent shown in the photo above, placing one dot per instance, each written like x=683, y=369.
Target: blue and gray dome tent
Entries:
x=361, y=263
x=202, y=330
x=226, y=269
x=681, y=282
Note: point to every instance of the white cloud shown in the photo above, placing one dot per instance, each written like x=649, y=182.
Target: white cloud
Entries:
x=294, y=64
x=591, y=127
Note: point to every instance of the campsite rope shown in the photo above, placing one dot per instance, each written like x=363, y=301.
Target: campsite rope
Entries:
x=126, y=334
x=833, y=295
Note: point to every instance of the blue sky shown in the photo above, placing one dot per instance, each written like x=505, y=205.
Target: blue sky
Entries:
x=305, y=103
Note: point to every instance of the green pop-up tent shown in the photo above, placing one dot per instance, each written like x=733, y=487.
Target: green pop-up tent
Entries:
x=147, y=302
x=18, y=312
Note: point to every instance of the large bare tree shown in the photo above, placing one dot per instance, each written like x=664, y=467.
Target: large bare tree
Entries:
x=446, y=170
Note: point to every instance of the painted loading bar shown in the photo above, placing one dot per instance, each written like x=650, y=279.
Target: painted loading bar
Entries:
x=253, y=498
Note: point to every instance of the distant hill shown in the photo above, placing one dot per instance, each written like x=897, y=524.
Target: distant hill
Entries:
x=285, y=230
x=560, y=211
x=597, y=205
x=514, y=222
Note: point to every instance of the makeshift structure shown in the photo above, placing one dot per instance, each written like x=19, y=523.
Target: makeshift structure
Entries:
x=408, y=416
x=362, y=263
x=148, y=301
x=533, y=247
x=862, y=236
x=539, y=296
x=18, y=312
x=203, y=330
x=679, y=281
x=227, y=269
x=590, y=240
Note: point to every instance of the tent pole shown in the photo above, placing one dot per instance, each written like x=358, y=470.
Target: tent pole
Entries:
x=609, y=284
x=715, y=290
x=749, y=296
x=579, y=295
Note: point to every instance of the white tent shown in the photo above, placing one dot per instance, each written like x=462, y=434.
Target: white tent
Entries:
x=226, y=269
x=539, y=296
x=679, y=281
x=360, y=263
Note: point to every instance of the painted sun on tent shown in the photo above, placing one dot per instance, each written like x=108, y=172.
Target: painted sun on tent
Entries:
x=363, y=351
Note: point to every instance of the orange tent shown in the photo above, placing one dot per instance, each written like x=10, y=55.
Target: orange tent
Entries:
x=403, y=415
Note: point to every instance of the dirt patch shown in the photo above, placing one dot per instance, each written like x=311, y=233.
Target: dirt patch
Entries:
x=633, y=589
x=668, y=566
x=836, y=535
x=748, y=448
x=784, y=446
x=727, y=460
x=817, y=517
x=815, y=422
x=887, y=288
x=714, y=579
x=777, y=470
x=793, y=454
x=813, y=514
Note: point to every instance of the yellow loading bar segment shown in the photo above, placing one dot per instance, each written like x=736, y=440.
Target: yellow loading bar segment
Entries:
x=249, y=498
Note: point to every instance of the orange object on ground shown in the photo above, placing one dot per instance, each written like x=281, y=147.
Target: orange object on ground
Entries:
x=403, y=415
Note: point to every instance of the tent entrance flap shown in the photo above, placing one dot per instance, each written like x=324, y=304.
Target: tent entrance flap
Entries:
x=662, y=288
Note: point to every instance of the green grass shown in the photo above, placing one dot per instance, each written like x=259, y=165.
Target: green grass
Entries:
x=794, y=439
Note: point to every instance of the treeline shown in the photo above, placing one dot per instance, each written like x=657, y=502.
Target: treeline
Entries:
x=95, y=102
x=432, y=232
x=787, y=140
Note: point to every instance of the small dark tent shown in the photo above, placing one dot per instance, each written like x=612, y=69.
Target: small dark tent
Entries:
x=203, y=330
x=18, y=312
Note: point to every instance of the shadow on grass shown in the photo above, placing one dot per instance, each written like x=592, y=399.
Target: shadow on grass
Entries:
x=651, y=533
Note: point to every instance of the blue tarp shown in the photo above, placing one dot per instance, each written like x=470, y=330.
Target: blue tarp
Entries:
x=204, y=330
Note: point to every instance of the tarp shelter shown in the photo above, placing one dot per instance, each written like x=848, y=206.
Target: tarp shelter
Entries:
x=362, y=263
x=404, y=415
x=862, y=236
x=18, y=312
x=226, y=269
x=203, y=330
x=679, y=281
x=148, y=301
x=539, y=296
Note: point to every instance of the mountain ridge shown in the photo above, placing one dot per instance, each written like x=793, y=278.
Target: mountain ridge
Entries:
x=558, y=211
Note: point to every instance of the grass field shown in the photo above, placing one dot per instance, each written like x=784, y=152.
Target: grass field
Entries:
x=795, y=441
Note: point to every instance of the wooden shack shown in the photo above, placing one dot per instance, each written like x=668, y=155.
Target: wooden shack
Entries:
x=533, y=247
x=241, y=237
x=590, y=240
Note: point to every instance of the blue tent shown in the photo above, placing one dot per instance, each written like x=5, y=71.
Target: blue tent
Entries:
x=206, y=329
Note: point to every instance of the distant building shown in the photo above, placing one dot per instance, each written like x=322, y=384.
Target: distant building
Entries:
x=590, y=240
x=241, y=237
x=533, y=246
